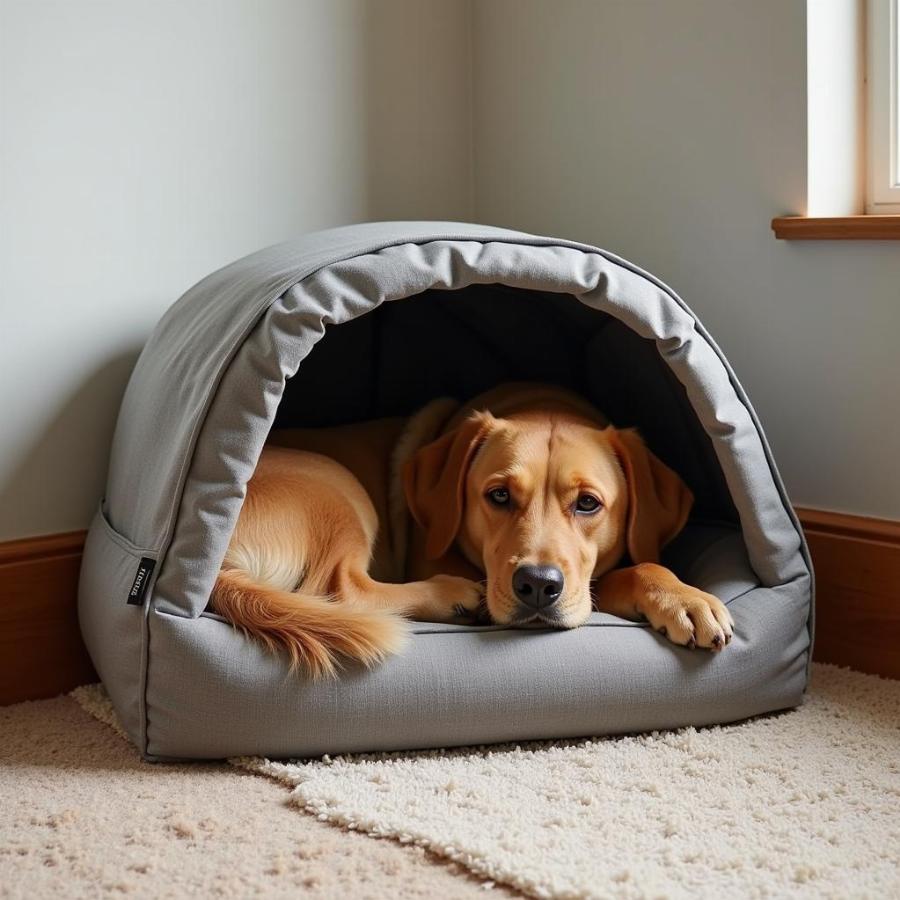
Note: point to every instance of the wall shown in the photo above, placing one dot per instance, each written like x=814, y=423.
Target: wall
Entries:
x=144, y=144
x=671, y=133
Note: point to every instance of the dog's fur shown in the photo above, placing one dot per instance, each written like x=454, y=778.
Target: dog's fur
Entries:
x=323, y=547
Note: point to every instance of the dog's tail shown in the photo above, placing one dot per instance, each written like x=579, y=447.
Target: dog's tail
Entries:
x=315, y=632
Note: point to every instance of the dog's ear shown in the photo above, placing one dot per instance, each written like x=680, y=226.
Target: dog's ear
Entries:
x=434, y=480
x=658, y=500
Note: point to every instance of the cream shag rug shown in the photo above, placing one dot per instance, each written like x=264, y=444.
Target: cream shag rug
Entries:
x=805, y=804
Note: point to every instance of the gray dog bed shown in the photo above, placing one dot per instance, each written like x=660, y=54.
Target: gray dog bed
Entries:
x=427, y=309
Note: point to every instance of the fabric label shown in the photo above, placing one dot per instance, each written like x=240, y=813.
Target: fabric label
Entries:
x=141, y=580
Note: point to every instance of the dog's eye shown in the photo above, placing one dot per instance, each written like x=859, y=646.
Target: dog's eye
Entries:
x=587, y=503
x=499, y=496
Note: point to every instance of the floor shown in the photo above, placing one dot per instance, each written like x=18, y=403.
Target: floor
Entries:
x=801, y=804
x=82, y=816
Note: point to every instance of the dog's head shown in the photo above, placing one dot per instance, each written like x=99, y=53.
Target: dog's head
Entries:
x=542, y=505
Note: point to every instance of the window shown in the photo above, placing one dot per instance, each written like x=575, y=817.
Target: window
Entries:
x=883, y=188
x=853, y=123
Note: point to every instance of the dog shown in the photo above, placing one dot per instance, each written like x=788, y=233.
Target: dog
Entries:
x=523, y=507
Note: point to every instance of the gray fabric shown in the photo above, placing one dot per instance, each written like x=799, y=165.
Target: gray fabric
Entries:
x=199, y=407
x=220, y=695
x=114, y=631
x=191, y=349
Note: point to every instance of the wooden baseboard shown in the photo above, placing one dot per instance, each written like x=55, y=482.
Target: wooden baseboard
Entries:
x=857, y=562
x=41, y=651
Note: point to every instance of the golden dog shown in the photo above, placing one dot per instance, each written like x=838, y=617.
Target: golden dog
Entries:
x=525, y=503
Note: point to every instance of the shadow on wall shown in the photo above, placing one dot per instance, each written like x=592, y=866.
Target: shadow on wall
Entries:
x=84, y=424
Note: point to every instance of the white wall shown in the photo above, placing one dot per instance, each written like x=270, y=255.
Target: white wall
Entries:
x=671, y=133
x=144, y=143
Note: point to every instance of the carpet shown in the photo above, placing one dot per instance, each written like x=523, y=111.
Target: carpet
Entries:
x=803, y=804
x=84, y=817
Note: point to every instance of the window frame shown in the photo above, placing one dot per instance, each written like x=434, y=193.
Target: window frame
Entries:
x=883, y=96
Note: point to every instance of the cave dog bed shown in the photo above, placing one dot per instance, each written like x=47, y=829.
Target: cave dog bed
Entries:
x=375, y=320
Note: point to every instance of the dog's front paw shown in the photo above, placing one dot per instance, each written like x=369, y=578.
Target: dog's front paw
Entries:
x=457, y=600
x=692, y=618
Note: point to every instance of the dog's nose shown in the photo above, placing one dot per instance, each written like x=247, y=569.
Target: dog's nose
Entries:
x=537, y=586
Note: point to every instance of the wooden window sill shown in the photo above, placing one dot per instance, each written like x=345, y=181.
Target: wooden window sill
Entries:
x=837, y=228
